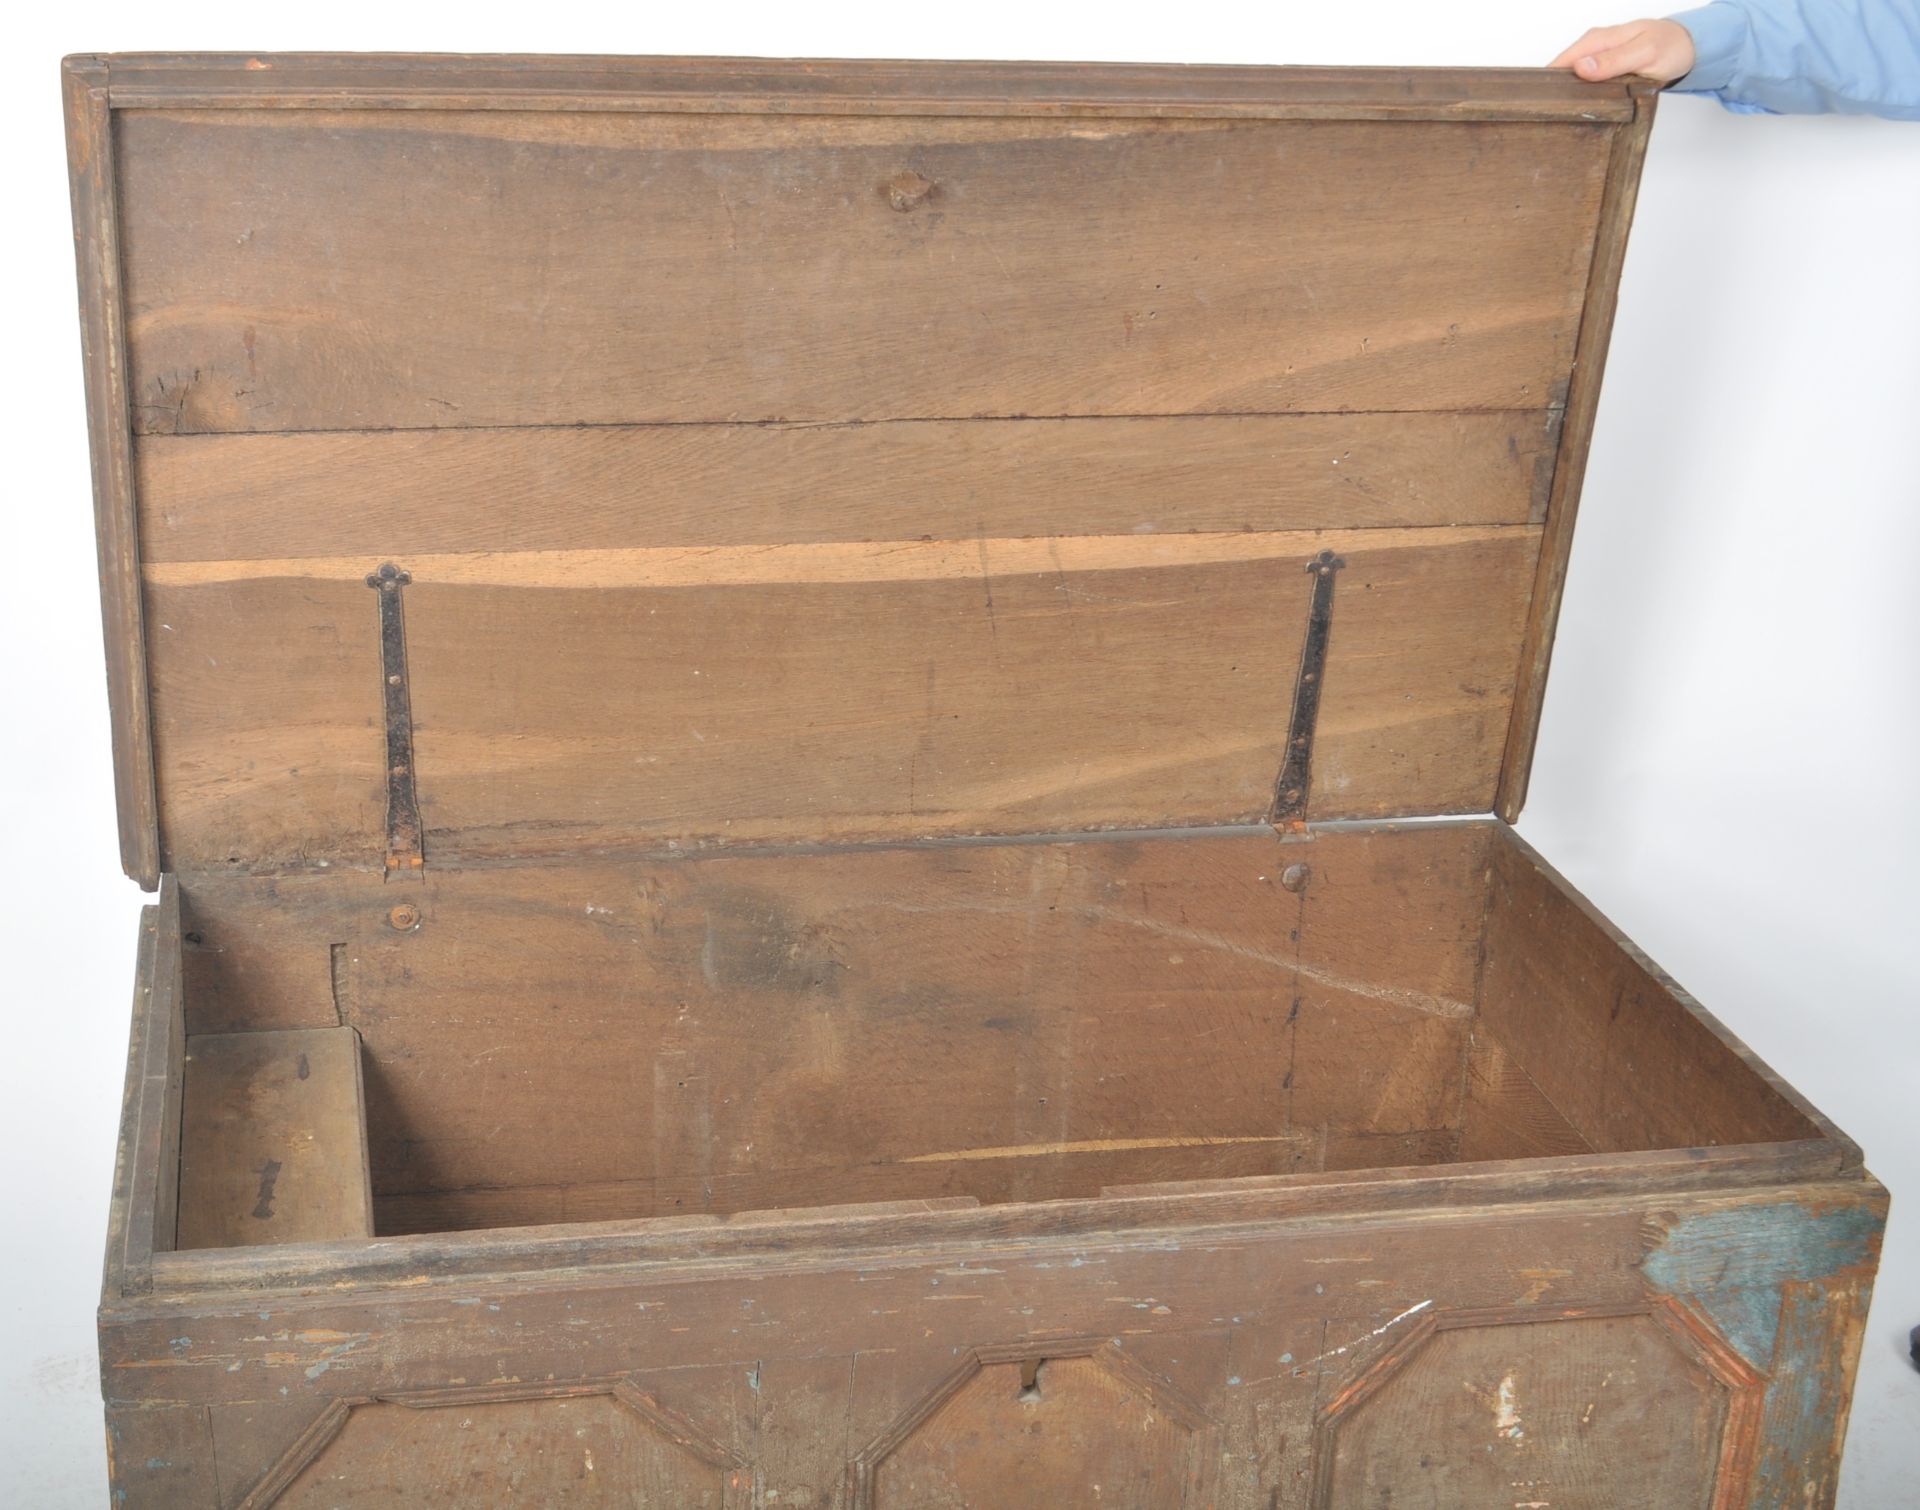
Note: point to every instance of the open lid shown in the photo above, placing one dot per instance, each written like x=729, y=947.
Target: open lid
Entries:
x=527, y=456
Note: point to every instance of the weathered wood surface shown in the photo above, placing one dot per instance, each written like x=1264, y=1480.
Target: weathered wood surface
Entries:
x=1593, y=1407
x=1506, y=1115
x=574, y=701
x=273, y=1139
x=540, y=306
x=476, y=268
x=439, y=492
x=1602, y=1034
x=788, y=453
x=765, y=86
x=1268, y=1357
x=141, y=1215
x=96, y=241
x=1001, y=1021
x=633, y=241
x=1583, y=401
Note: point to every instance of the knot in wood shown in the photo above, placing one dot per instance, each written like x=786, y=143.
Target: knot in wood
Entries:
x=905, y=190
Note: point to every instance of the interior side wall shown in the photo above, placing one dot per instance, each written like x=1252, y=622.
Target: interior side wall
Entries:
x=1012, y=1021
x=1581, y=1045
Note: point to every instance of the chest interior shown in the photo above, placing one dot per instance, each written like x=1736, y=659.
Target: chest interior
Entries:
x=704, y=661
x=993, y=1022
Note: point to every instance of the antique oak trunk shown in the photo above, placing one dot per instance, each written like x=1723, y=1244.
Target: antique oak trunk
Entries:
x=828, y=751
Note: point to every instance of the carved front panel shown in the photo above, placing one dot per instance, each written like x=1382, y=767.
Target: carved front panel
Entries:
x=447, y=1450
x=1094, y=1429
x=1576, y=1413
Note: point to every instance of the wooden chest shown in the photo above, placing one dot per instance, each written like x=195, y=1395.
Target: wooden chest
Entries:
x=828, y=752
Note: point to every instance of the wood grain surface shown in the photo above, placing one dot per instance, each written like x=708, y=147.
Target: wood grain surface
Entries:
x=581, y=700
x=1004, y=1022
x=474, y=268
x=440, y=492
x=93, y=172
x=864, y=87
x=1593, y=1025
x=273, y=1141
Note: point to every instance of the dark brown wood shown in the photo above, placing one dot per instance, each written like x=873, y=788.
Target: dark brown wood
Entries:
x=91, y=164
x=1576, y=437
x=273, y=1143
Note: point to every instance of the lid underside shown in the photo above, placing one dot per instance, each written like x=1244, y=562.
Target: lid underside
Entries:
x=768, y=474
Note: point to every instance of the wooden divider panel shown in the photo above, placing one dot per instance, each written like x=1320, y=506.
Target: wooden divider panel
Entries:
x=273, y=1140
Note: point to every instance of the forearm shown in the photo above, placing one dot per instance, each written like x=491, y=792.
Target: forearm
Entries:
x=1853, y=56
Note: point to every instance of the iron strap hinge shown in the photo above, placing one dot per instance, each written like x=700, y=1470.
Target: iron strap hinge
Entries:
x=404, y=847
x=1296, y=771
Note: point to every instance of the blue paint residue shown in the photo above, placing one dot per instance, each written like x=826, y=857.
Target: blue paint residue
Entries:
x=1749, y=1319
x=1760, y=1247
x=1732, y=1263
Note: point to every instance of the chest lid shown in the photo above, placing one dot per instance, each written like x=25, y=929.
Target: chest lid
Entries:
x=524, y=456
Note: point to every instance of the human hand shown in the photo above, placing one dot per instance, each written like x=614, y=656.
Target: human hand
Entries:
x=1661, y=50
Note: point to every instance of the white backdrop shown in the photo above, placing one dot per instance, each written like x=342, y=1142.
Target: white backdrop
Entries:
x=1727, y=761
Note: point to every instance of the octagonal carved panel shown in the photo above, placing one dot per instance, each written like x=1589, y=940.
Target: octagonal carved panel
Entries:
x=1067, y=1425
x=588, y=1445
x=1573, y=1411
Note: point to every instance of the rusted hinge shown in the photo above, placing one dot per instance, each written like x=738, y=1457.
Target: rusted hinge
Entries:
x=404, y=851
x=1296, y=771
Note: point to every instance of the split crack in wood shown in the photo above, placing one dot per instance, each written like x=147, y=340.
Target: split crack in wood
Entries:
x=1379, y=1331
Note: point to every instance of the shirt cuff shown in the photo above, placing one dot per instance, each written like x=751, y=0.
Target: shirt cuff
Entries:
x=1719, y=34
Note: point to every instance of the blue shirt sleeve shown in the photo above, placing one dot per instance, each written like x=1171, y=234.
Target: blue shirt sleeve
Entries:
x=1774, y=57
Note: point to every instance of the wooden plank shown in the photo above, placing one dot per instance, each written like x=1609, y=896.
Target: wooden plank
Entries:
x=401, y=494
x=1384, y=992
x=141, y=1218
x=514, y=268
x=855, y=87
x=1506, y=1115
x=990, y=1177
x=1626, y=1059
x=273, y=1147
x=584, y=700
x=1576, y=438
x=883, y=1299
x=1665, y=1174
x=96, y=239
x=1006, y=1022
